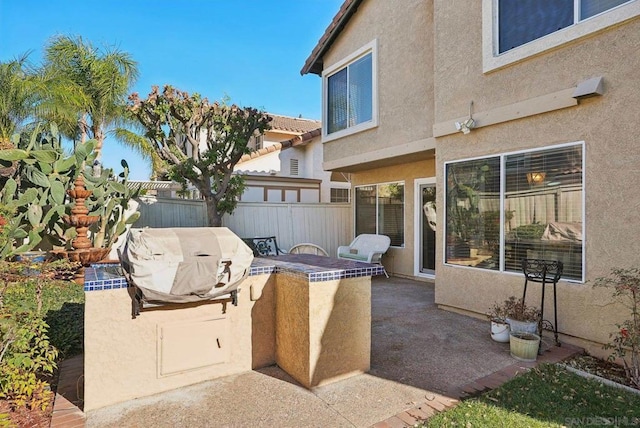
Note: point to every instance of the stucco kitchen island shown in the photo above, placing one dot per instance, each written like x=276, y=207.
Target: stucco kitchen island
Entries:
x=309, y=314
x=323, y=316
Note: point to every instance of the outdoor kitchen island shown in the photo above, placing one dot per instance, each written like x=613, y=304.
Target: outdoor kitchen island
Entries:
x=309, y=314
x=323, y=316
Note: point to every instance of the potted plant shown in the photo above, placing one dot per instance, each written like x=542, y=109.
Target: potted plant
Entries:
x=524, y=341
x=521, y=318
x=497, y=315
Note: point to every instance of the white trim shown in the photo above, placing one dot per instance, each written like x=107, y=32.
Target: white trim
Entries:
x=404, y=208
x=417, y=221
x=491, y=60
x=502, y=156
x=371, y=47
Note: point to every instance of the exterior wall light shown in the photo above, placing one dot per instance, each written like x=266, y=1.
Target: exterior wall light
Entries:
x=466, y=126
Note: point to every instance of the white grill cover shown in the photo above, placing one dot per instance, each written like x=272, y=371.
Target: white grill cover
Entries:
x=185, y=264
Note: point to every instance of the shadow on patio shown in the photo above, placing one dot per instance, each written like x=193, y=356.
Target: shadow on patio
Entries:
x=420, y=357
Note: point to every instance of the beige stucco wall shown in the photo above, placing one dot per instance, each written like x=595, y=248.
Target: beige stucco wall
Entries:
x=318, y=332
x=399, y=261
x=405, y=74
x=123, y=355
x=605, y=124
x=323, y=329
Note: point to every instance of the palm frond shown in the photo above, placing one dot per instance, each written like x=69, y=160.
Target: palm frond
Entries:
x=142, y=146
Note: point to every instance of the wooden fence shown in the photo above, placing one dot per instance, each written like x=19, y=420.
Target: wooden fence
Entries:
x=326, y=225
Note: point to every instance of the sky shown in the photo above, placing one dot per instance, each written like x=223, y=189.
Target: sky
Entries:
x=250, y=51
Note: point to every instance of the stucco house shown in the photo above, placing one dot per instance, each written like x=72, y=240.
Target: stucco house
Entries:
x=286, y=165
x=480, y=133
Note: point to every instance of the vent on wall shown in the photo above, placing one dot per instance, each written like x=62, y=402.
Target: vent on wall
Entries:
x=293, y=165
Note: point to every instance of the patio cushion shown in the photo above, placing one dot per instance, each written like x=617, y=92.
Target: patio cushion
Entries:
x=353, y=256
x=365, y=247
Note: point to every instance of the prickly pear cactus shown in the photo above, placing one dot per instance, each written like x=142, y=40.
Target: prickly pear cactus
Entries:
x=36, y=191
x=110, y=201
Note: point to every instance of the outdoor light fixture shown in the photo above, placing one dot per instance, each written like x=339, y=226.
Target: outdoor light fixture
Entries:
x=466, y=126
x=536, y=177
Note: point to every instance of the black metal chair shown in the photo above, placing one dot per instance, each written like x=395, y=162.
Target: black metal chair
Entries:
x=266, y=246
x=543, y=272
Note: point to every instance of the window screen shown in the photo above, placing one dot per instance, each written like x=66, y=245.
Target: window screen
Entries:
x=589, y=8
x=521, y=21
x=350, y=95
x=515, y=206
x=380, y=209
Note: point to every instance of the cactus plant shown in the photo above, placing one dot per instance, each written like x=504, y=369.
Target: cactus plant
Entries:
x=36, y=194
x=110, y=200
x=36, y=190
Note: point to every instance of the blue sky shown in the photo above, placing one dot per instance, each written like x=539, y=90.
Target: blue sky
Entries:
x=249, y=50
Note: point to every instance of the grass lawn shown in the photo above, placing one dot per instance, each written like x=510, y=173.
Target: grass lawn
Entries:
x=547, y=396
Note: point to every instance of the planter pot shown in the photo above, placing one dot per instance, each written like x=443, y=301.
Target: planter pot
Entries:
x=524, y=346
x=523, y=326
x=500, y=331
x=32, y=257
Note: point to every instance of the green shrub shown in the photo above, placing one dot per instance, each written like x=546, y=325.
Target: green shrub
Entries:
x=26, y=356
x=625, y=343
x=41, y=318
x=62, y=308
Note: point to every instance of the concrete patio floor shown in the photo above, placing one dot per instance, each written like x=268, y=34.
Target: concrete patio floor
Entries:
x=422, y=360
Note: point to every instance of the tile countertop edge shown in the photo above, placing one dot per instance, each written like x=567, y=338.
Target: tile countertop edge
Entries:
x=311, y=271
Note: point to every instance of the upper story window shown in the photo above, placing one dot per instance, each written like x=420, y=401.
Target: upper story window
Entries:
x=516, y=29
x=349, y=94
x=521, y=21
x=256, y=142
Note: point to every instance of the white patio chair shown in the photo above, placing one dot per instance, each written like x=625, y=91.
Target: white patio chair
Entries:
x=308, y=248
x=366, y=248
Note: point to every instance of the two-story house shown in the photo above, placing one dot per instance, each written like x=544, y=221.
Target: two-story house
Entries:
x=479, y=133
x=286, y=165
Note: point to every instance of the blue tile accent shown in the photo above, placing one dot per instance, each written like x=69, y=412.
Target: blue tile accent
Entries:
x=303, y=266
x=106, y=276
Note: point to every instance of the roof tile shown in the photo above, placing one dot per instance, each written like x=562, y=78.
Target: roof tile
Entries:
x=293, y=124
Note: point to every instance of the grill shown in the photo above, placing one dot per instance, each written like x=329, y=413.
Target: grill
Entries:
x=183, y=265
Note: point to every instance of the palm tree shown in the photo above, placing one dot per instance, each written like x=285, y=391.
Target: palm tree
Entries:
x=17, y=97
x=104, y=77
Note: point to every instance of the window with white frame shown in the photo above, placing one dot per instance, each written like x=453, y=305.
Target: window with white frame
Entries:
x=256, y=142
x=513, y=30
x=380, y=209
x=502, y=209
x=521, y=21
x=349, y=94
x=339, y=195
